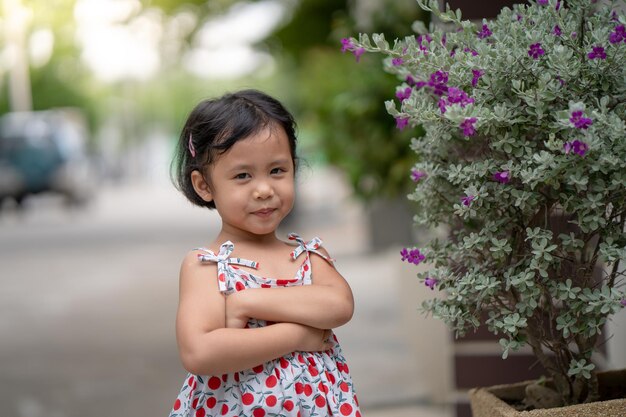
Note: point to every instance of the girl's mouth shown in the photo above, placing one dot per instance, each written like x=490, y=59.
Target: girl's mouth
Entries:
x=264, y=212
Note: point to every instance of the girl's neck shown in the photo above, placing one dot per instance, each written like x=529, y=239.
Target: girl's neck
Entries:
x=245, y=238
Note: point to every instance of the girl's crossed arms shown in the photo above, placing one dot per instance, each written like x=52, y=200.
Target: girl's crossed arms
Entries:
x=210, y=326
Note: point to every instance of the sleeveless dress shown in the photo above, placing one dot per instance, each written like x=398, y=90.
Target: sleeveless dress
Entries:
x=300, y=384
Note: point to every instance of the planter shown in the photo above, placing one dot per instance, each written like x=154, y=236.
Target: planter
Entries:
x=492, y=401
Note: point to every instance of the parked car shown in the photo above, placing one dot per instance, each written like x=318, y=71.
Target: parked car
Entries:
x=44, y=151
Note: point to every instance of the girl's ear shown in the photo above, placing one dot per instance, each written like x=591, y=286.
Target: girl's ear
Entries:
x=201, y=186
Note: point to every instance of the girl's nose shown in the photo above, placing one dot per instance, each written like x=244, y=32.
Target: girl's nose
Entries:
x=263, y=190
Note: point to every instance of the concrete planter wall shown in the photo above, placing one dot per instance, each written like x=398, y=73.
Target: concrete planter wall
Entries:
x=488, y=402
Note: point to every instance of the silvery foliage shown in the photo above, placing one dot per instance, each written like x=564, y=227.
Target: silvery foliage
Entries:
x=505, y=263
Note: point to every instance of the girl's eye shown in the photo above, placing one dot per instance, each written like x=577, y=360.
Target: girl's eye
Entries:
x=241, y=176
x=277, y=171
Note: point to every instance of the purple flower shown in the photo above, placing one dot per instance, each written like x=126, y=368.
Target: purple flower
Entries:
x=416, y=175
x=397, y=61
x=439, y=89
x=439, y=82
x=402, y=122
x=476, y=74
x=542, y=2
x=468, y=126
x=439, y=77
x=623, y=302
x=618, y=35
x=467, y=200
x=413, y=256
x=579, y=121
x=597, y=53
x=358, y=52
x=404, y=94
x=535, y=51
x=484, y=32
x=576, y=146
x=414, y=83
x=556, y=31
x=558, y=5
x=347, y=45
x=458, y=96
x=503, y=177
x=560, y=80
x=442, y=105
x=427, y=38
x=471, y=51
x=431, y=282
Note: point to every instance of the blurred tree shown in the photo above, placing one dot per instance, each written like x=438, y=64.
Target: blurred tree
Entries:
x=310, y=26
x=340, y=102
x=57, y=76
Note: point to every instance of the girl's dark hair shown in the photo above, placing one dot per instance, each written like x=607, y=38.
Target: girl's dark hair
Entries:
x=215, y=125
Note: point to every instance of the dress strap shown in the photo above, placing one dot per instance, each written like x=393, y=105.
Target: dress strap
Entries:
x=223, y=260
x=312, y=246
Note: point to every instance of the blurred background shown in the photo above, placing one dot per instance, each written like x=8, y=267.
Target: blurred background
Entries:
x=92, y=96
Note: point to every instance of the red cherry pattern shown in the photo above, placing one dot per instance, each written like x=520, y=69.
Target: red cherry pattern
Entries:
x=247, y=398
x=214, y=383
x=288, y=405
x=345, y=409
x=271, y=400
x=271, y=381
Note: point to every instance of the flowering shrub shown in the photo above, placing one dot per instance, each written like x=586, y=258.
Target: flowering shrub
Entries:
x=525, y=125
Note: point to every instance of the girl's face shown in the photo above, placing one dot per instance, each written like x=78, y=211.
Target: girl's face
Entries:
x=251, y=184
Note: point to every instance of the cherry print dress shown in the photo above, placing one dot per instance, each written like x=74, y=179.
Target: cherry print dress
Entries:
x=301, y=384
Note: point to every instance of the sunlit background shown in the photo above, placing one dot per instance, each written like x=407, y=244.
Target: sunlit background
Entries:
x=92, y=96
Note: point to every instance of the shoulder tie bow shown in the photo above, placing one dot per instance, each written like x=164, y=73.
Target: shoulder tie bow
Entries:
x=223, y=260
x=312, y=246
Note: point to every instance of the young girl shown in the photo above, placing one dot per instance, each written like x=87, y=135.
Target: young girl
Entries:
x=255, y=312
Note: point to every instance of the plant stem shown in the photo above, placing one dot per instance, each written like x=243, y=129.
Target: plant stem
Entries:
x=561, y=381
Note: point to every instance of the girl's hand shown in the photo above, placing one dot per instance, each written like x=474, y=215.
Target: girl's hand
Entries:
x=312, y=339
x=235, y=318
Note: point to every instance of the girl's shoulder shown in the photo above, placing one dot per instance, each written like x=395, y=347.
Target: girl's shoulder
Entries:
x=192, y=261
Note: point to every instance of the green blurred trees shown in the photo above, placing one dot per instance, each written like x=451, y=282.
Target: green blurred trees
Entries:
x=60, y=81
x=64, y=80
x=339, y=103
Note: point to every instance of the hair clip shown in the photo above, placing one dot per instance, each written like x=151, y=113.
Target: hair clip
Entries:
x=192, y=149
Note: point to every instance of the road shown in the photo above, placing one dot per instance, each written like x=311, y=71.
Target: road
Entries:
x=88, y=299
